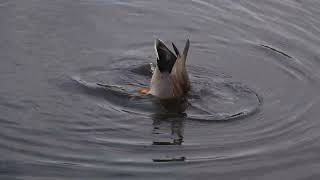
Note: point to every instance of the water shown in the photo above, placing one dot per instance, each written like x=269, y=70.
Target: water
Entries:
x=252, y=112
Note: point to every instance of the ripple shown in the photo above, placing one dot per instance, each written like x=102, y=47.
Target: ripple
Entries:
x=252, y=112
x=212, y=98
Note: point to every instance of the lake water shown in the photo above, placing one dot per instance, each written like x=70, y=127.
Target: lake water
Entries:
x=70, y=72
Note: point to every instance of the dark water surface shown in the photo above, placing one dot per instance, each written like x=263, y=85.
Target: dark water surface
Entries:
x=252, y=113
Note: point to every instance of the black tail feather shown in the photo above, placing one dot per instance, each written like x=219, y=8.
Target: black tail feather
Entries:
x=175, y=49
x=166, y=59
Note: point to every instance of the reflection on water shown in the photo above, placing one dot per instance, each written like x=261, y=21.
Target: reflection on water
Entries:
x=167, y=131
x=171, y=128
x=170, y=159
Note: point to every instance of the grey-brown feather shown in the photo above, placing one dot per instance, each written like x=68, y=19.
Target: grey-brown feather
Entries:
x=174, y=83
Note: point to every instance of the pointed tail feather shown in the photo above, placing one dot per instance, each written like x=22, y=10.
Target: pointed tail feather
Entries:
x=176, y=50
x=186, y=49
x=165, y=58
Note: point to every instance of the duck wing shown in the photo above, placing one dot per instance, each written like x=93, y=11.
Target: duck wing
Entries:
x=179, y=71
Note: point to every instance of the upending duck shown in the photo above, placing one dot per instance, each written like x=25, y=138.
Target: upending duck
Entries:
x=170, y=78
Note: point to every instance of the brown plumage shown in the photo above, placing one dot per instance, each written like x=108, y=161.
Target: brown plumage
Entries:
x=170, y=78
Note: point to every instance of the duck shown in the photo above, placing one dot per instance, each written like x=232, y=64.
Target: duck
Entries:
x=170, y=78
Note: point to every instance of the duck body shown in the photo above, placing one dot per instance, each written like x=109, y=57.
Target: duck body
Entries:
x=170, y=78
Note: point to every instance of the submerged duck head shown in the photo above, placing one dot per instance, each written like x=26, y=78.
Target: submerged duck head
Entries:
x=170, y=78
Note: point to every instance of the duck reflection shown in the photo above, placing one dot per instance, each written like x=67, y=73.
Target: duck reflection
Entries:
x=168, y=126
x=168, y=131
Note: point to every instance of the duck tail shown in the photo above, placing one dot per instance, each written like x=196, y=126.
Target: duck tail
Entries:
x=165, y=58
x=185, y=51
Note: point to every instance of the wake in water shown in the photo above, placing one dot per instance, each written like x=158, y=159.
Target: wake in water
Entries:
x=212, y=97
